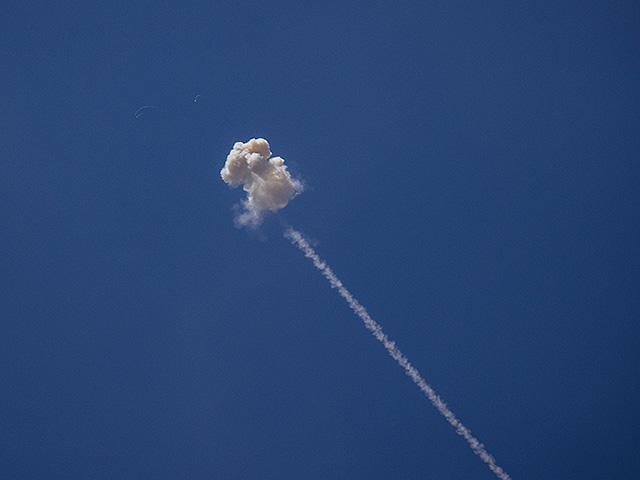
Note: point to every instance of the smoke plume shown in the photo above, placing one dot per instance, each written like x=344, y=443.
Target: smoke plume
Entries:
x=268, y=184
x=269, y=187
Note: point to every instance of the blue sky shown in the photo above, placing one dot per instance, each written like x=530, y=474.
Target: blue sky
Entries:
x=472, y=177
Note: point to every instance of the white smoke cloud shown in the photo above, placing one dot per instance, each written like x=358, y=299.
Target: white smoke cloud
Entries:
x=268, y=184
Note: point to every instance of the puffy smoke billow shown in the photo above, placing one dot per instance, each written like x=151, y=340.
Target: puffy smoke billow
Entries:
x=268, y=184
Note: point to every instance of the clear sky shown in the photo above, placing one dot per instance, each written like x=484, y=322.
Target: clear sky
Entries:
x=472, y=175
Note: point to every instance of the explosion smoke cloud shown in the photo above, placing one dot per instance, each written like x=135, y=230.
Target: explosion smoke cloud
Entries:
x=268, y=184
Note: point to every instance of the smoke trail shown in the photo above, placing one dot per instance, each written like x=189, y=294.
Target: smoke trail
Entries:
x=298, y=240
x=141, y=110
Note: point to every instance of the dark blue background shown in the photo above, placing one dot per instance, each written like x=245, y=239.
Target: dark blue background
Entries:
x=473, y=178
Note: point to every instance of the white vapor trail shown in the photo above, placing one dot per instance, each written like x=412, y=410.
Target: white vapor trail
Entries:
x=298, y=240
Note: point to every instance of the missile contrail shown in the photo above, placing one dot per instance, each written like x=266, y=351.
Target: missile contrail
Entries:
x=299, y=241
x=270, y=187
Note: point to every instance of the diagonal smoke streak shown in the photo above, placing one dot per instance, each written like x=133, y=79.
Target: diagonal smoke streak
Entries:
x=298, y=240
